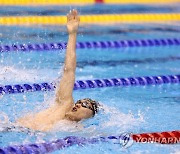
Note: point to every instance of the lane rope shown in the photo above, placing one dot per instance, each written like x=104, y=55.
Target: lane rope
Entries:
x=138, y=1
x=47, y=2
x=98, y=83
x=82, y=2
x=90, y=19
x=170, y=137
x=162, y=137
x=92, y=44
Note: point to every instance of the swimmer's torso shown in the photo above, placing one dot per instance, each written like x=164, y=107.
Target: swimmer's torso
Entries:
x=44, y=120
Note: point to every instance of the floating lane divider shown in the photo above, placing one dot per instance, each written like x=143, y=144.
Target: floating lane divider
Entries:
x=82, y=2
x=137, y=1
x=98, y=83
x=162, y=137
x=124, y=139
x=90, y=19
x=93, y=44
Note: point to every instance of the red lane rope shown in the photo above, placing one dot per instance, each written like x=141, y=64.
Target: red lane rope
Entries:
x=99, y=1
x=172, y=137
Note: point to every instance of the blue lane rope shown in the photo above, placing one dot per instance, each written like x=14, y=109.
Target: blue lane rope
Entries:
x=98, y=83
x=93, y=44
x=59, y=144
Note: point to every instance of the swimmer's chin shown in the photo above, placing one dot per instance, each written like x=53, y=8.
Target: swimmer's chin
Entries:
x=69, y=116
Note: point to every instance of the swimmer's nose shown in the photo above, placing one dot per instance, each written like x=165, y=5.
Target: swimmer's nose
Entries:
x=78, y=105
x=74, y=109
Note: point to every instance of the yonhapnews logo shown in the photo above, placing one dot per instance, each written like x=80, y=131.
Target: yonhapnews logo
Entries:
x=125, y=140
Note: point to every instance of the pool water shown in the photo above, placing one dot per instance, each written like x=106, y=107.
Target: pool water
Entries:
x=126, y=109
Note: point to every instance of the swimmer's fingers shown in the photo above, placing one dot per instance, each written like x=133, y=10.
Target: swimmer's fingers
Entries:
x=74, y=12
x=73, y=15
x=72, y=21
x=69, y=16
x=76, y=16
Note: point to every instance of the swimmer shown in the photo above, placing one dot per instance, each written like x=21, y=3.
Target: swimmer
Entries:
x=64, y=107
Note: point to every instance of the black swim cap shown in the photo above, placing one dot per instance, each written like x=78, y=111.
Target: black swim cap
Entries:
x=95, y=105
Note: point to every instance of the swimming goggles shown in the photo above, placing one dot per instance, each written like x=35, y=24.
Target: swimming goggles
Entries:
x=85, y=105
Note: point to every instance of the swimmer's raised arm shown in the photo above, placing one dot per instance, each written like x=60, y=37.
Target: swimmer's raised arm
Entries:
x=65, y=89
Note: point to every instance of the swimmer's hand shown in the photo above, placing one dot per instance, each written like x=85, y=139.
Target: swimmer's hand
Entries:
x=73, y=21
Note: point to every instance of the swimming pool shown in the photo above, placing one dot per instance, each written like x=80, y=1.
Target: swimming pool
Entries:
x=126, y=109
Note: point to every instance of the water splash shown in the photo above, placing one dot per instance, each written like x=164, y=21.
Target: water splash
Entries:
x=3, y=118
x=121, y=121
x=10, y=73
x=109, y=121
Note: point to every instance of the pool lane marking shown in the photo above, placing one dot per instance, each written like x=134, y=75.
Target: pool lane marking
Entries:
x=90, y=84
x=124, y=140
x=82, y=2
x=139, y=1
x=91, y=19
x=167, y=42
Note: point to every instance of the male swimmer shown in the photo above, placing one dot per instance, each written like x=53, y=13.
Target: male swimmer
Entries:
x=64, y=107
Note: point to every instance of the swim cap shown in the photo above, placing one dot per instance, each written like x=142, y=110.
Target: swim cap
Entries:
x=95, y=105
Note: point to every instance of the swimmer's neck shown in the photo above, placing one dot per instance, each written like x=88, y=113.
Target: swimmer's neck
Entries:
x=67, y=117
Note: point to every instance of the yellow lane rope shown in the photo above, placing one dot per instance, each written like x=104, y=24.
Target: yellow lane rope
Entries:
x=90, y=19
x=81, y=2
x=140, y=1
x=46, y=2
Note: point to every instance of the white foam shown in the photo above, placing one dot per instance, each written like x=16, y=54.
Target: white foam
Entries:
x=85, y=77
x=121, y=120
x=3, y=118
x=176, y=151
x=68, y=126
x=12, y=74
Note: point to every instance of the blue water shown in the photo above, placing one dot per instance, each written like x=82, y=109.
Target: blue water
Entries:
x=126, y=109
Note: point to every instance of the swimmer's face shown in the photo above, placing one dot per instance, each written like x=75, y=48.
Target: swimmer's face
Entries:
x=78, y=112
